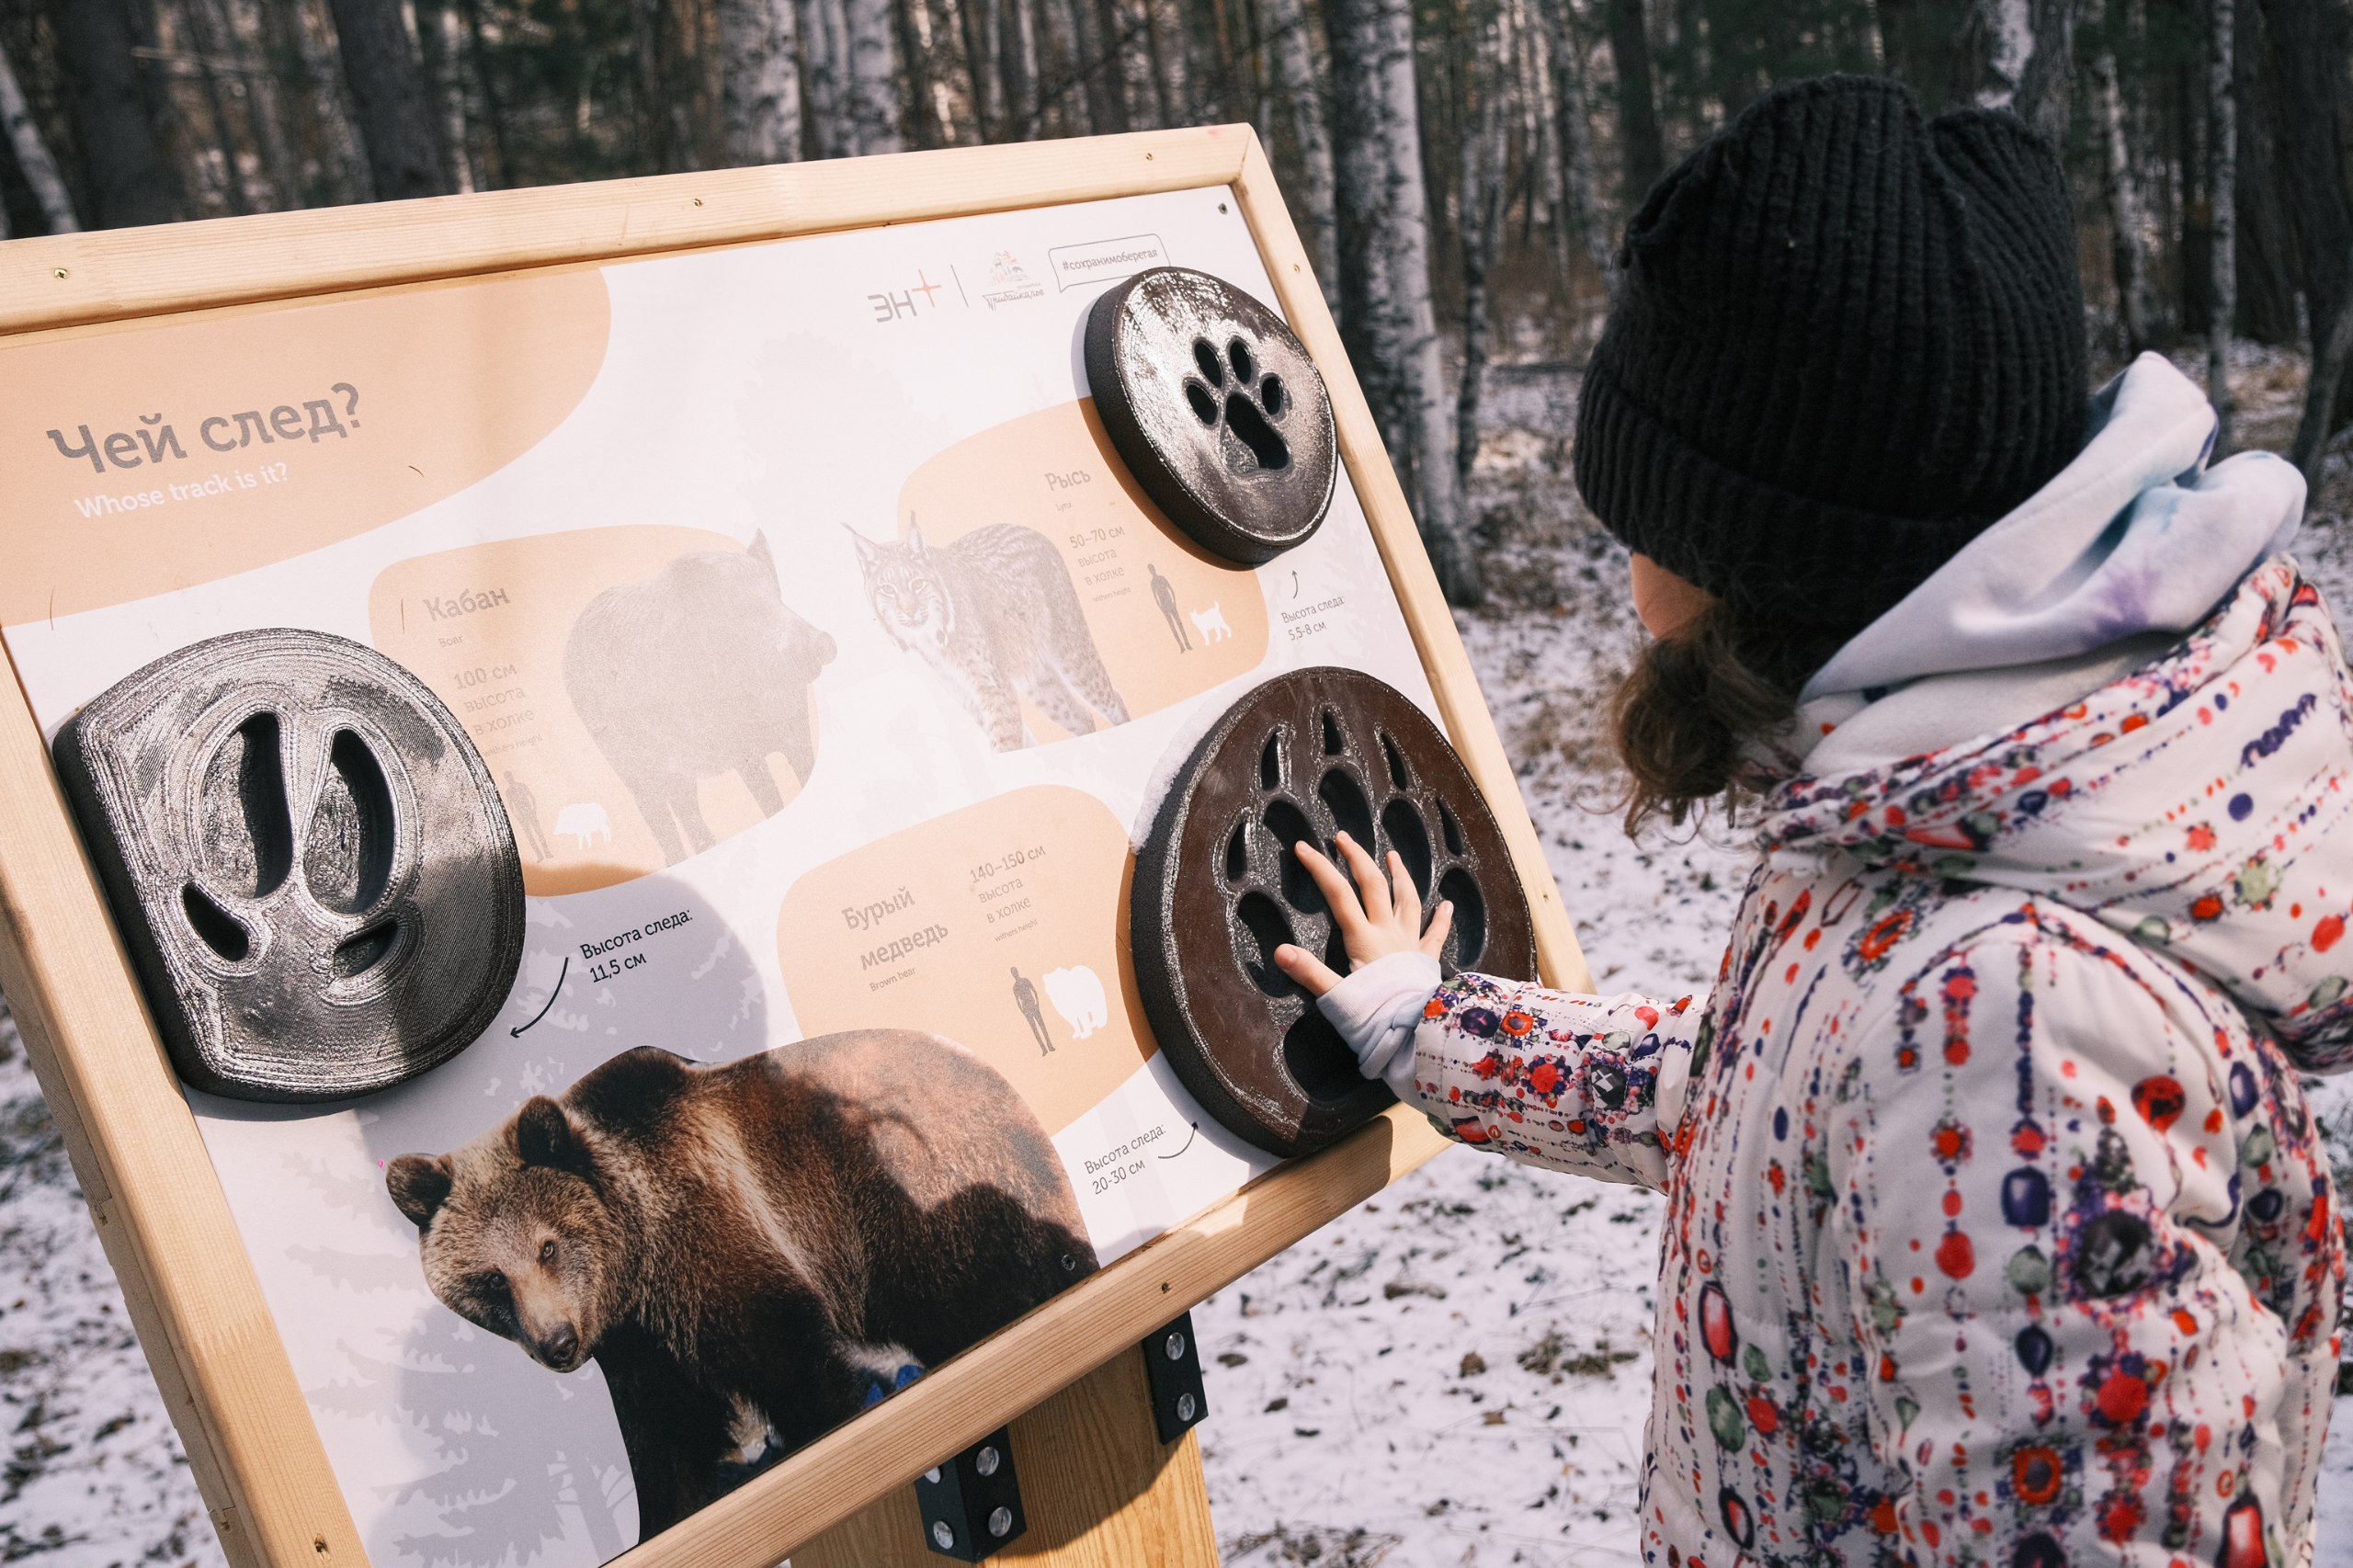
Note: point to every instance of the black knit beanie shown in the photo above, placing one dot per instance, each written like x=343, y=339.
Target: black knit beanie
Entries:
x=1844, y=341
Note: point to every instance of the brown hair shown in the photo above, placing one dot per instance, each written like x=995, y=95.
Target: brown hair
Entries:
x=1698, y=697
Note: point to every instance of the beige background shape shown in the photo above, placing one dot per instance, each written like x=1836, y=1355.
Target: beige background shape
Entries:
x=1035, y=880
x=500, y=666
x=1055, y=470
x=445, y=384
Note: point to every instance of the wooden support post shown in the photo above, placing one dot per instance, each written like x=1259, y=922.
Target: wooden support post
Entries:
x=1100, y=1489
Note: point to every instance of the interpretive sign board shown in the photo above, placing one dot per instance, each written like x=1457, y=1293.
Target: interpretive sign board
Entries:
x=828, y=665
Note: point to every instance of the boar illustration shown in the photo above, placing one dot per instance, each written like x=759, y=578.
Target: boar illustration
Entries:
x=699, y=670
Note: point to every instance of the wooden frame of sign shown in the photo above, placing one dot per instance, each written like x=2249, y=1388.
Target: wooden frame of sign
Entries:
x=1098, y=1486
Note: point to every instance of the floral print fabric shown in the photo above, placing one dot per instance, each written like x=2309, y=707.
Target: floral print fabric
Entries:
x=1997, y=1231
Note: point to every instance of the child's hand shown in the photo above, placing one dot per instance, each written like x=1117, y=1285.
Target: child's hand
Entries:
x=1387, y=920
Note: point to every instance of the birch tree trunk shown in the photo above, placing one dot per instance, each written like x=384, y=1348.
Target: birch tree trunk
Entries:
x=456, y=120
x=2049, y=69
x=990, y=116
x=2127, y=251
x=388, y=98
x=760, y=85
x=911, y=31
x=662, y=107
x=1579, y=190
x=1017, y=61
x=872, y=99
x=823, y=31
x=2221, y=184
x=2303, y=81
x=1386, y=314
x=1638, y=129
x=1530, y=73
x=1992, y=54
x=1295, y=59
x=2271, y=303
x=202, y=46
x=1122, y=55
x=437, y=56
x=1171, y=86
x=493, y=110
x=265, y=103
x=1483, y=172
x=32, y=154
x=303, y=40
x=114, y=113
x=219, y=32
x=1089, y=78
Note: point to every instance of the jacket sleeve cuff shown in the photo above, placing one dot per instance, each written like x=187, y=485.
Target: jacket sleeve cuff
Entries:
x=1376, y=1008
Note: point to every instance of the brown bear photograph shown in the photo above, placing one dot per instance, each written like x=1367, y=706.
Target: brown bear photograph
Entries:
x=751, y=1252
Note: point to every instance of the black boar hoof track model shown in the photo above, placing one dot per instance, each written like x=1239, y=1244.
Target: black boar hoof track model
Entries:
x=308, y=862
x=1217, y=890
x=1216, y=410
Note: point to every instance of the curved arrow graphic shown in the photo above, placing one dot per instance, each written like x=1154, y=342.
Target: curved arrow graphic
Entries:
x=552, y=997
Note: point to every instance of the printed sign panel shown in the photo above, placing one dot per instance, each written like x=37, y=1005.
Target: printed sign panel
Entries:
x=829, y=665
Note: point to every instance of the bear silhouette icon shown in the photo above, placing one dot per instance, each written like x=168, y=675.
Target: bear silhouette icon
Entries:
x=751, y=1252
x=699, y=670
x=1077, y=996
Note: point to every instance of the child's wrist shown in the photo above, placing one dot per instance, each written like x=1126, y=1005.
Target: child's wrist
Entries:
x=1375, y=1007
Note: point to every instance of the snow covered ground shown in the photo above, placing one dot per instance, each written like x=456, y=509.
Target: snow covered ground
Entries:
x=1454, y=1372
x=93, y=1473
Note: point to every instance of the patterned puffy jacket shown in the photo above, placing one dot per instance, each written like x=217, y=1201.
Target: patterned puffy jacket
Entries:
x=1997, y=1231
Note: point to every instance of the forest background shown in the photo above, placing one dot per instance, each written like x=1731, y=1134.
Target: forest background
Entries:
x=1460, y=170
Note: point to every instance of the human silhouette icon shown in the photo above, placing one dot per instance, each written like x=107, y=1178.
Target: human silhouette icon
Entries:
x=1163, y=594
x=523, y=807
x=1025, y=996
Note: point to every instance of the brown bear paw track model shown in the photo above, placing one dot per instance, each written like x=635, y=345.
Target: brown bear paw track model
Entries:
x=1217, y=890
x=1216, y=410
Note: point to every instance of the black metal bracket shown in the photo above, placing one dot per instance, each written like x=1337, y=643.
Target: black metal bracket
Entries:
x=972, y=1504
x=1171, y=1365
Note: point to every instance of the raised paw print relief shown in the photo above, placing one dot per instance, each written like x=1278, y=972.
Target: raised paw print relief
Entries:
x=1242, y=408
x=1219, y=888
x=313, y=874
x=1216, y=410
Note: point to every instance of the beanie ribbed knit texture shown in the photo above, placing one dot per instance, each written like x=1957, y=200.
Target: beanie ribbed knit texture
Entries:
x=1846, y=340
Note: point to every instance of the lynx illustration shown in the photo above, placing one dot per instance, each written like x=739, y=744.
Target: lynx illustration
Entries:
x=995, y=614
x=699, y=670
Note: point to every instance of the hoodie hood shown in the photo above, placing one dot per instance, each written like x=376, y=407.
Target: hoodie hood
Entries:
x=2197, y=804
x=2127, y=548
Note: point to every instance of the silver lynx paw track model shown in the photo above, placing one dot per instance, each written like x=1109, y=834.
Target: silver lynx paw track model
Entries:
x=306, y=858
x=1216, y=409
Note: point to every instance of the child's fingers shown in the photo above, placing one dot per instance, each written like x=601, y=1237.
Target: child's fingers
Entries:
x=1404, y=897
x=1434, y=939
x=1337, y=891
x=1309, y=972
x=1368, y=878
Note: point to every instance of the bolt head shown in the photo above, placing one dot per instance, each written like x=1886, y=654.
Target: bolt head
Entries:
x=1185, y=1407
x=987, y=1460
x=1175, y=1346
x=941, y=1533
x=1001, y=1522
